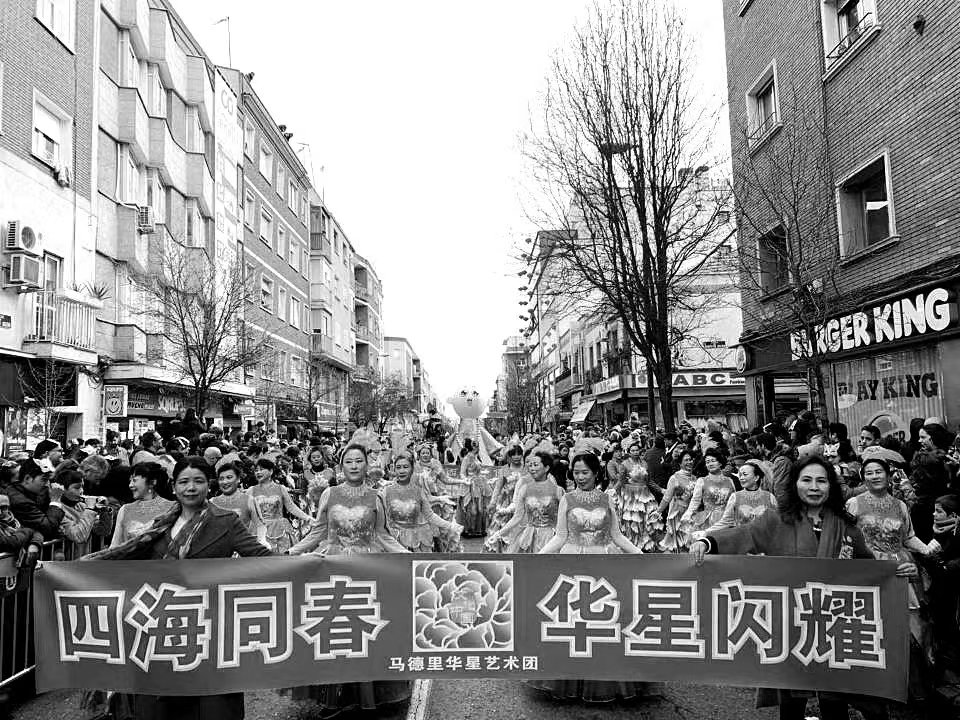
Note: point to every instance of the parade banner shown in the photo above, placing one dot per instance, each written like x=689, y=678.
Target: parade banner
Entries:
x=208, y=626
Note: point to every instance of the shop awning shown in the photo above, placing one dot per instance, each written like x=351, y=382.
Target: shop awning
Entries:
x=581, y=411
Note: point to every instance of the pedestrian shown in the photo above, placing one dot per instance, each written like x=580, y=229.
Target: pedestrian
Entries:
x=810, y=522
x=191, y=528
x=34, y=503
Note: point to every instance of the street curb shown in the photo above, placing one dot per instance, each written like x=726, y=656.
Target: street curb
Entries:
x=419, y=699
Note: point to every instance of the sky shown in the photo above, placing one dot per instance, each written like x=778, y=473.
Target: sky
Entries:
x=410, y=113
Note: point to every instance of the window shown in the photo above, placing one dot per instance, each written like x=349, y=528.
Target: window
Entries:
x=293, y=255
x=52, y=268
x=156, y=196
x=281, y=179
x=774, y=260
x=304, y=262
x=305, y=317
x=763, y=107
x=282, y=375
x=266, y=227
x=1, y=98
x=249, y=138
x=266, y=162
x=249, y=209
x=194, y=230
x=295, y=312
x=128, y=66
x=296, y=371
x=282, y=303
x=268, y=366
x=281, y=240
x=266, y=294
x=156, y=94
x=292, y=198
x=250, y=272
x=865, y=206
x=128, y=177
x=58, y=16
x=194, y=131
x=845, y=23
x=51, y=131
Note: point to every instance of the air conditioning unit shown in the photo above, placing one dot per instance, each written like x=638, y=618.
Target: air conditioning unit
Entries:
x=145, y=222
x=20, y=238
x=62, y=176
x=24, y=271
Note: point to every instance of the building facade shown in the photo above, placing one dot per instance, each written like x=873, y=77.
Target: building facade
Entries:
x=886, y=346
x=331, y=309
x=276, y=258
x=367, y=307
x=48, y=295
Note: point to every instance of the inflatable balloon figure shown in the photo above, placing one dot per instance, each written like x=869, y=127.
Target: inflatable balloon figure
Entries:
x=469, y=405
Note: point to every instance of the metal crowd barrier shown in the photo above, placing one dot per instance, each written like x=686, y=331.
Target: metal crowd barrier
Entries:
x=17, y=655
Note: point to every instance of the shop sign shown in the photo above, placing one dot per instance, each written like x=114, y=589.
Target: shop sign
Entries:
x=143, y=399
x=924, y=313
x=682, y=380
x=244, y=409
x=115, y=400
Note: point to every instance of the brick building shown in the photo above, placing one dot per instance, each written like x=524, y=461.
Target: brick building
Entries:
x=276, y=254
x=47, y=228
x=873, y=84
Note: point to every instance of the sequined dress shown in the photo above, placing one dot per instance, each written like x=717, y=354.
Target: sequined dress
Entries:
x=636, y=507
x=411, y=520
x=280, y=534
x=676, y=538
x=710, y=496
x=537, y=504
x=429, y=479
x=133, y=518
x=885, y=524
x=501, y=506
x=589, y=517
x=474, y=508
x=352, y=519
x=240, y=502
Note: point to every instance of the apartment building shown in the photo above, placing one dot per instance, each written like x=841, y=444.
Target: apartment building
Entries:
x=400, y=363
x=331, y=310
x=872, y=83
x=275, y=247
x=48, y=294
x=368, y=330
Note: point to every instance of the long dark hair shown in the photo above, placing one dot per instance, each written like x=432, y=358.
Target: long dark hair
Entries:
x=593, y=464
x=790, y=506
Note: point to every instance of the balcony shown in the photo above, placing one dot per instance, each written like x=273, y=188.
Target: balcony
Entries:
x=167, y=155
x=365, y=334
x=133, y=15
x=133, y=247
x=166, y=53
x=319, y=243
x=321, y=344
x=200, y=90
x=567, y=384
x=363, y=373
x=200, y=182
x=133, y=125
x=320, y=296
x=361, y=292
x=62, y=325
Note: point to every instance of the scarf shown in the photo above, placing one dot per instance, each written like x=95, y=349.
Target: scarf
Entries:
x=835, y=539
x=161, y=526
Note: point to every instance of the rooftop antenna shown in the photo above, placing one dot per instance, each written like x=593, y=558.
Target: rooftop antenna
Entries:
x=229, y=44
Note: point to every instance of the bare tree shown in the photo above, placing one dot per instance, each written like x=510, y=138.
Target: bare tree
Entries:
x=47, y=386
x=379, y=400
x=788, y=252
x=523, y=409
x=621, y=158
x=196, y=311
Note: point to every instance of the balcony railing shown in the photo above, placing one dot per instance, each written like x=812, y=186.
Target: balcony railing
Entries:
x=568, y=383
x=321, y=344
x=764, y=125
x=60, y=320
x=361, y=291
x=853, y=34
x=365, y=334
x=319, y=243
x=363, y=373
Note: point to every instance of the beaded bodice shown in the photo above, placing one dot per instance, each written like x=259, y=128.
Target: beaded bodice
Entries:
x=352, y=514
x=541, y=503
x=402, y=504
x=588, y=518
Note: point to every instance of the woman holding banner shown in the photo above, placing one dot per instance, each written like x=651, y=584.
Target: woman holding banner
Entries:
x=193, y=528
x=351, y=519
x=810, y=522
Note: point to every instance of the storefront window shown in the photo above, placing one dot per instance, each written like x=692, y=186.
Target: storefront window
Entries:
x=887, y=390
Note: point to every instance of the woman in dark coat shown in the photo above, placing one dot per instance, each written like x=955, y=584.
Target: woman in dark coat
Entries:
x=194, y=528
x=810, y=522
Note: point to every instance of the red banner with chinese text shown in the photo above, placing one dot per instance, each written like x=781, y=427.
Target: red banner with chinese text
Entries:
x=209, y=626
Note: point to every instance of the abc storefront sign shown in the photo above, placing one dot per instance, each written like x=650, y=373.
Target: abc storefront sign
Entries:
x=914, y=315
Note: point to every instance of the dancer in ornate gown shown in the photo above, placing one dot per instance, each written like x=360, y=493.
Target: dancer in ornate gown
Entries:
x=676, y=500
x=534, y=520
x=431, y=476
x=233, y=497
x=474, y=509
x=410, y=519
x=351, y=519
x=511, y=476
x=635, y=503
x=146, y=479
x=710, y=495
x=272, y=499
x=587, y=524
x=748, y=504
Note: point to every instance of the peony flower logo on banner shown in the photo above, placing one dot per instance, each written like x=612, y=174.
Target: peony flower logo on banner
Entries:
x=464, y=605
